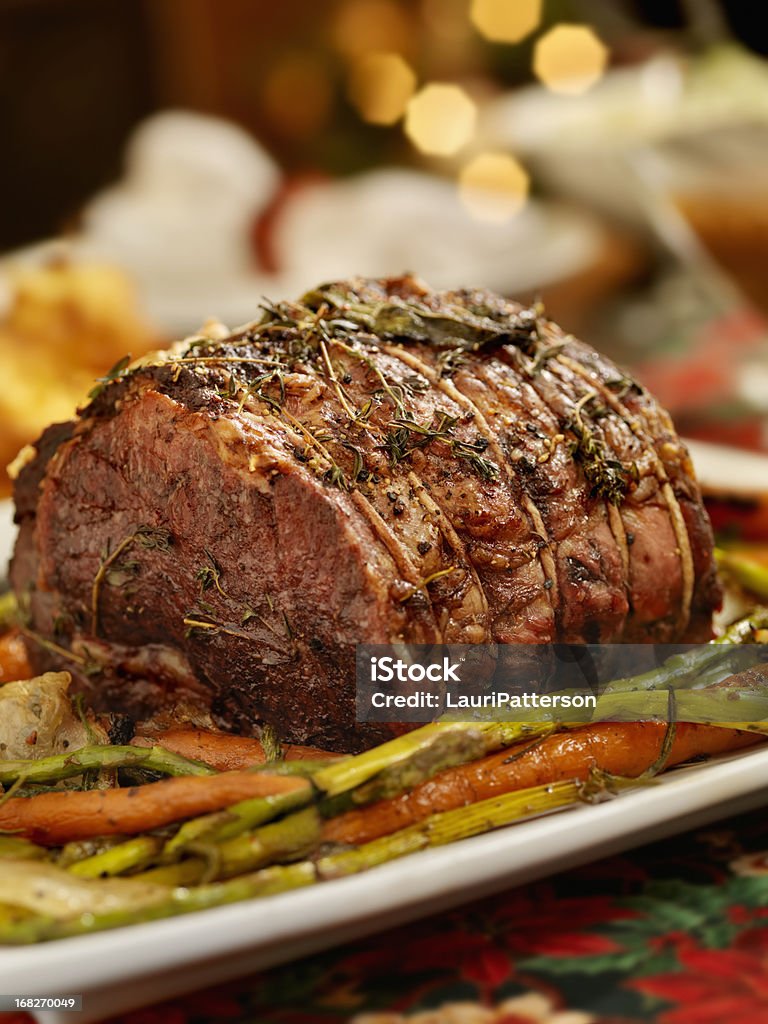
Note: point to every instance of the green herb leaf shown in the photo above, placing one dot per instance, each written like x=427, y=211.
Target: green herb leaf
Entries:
x=118, y=370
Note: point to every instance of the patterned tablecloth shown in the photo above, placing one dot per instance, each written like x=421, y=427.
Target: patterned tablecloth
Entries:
x=676, y=932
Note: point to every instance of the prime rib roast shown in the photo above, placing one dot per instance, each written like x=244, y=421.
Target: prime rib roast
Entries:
x=376, y=462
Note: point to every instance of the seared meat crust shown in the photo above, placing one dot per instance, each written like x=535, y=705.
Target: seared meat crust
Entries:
x=376, y=462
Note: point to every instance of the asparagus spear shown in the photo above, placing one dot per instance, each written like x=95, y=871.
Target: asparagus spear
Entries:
x=205, y=831
x=45, y=926
x=99, y=758
x=16, y=848
x=747, y=629
x=448, y=826
x=721, y=704
x=57, y=893
x=746, y=571
x=233, y=821
x=133, y=854
x=407, y=760
x=293, y=837
x=10, y=917
x=305, y=769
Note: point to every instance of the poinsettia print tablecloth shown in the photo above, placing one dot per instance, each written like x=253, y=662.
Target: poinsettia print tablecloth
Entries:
x=676, y=932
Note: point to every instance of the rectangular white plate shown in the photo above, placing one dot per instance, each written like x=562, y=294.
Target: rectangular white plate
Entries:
x=120, y=970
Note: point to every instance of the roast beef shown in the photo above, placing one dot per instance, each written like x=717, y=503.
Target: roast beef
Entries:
x=380, y=462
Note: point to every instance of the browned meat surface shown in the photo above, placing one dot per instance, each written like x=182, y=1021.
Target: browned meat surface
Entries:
x=376, y=462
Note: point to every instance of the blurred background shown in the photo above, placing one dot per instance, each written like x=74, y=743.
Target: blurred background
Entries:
x=166, y=161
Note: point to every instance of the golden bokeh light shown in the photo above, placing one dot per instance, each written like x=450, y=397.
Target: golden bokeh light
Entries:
x=570, y=59
x=505, y=21
x=380, y=85
x=494, y=187
x=440, y=119
x=367, y=26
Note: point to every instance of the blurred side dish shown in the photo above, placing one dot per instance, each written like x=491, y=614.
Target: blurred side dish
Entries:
x=64, y=325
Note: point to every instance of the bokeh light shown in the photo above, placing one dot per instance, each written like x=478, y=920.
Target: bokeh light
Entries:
x=570, y=59
x=366, y=26
x=440, y=119
x=380, y=85
x=494, y=186
x=505, y=21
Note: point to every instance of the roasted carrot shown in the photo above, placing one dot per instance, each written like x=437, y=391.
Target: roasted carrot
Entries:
x=55, y=818
x=223, y=751
x=620, y=748
x=13, y=658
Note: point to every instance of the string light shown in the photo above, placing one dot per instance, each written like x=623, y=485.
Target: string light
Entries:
x=494, y=187
x=440, y=119
x=505, y=21
x=380, y=85
x=570, y=59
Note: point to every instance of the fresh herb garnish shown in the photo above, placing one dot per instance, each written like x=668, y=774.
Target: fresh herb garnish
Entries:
x=118, y=370
x=147, y=537
x=608, y=477
x=209, y=575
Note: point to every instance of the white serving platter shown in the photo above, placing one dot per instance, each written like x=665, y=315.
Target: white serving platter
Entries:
x=120, y=970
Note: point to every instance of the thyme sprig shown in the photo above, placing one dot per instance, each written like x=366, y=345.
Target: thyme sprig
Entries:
x=210, y=575
x=196, y=626
x=147, y=537
x=395, y=392
x=422, y=586
x=608, y=477
x=406, y=436
x=450, y=361
x=471, y=452
x=334, y=474
x=226, y=359
x=542, y=355
x=333, y=315
x=341, y=394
